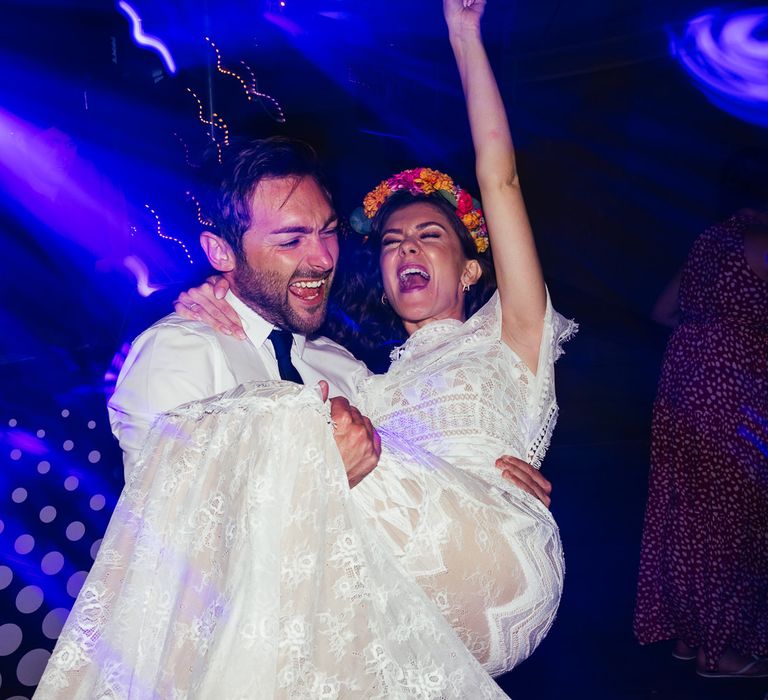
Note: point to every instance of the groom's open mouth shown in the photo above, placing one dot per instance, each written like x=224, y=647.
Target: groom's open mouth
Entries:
x=412, y=278
x=310, y=291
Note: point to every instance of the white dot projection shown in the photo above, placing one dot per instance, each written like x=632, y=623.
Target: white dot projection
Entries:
x=10, y=638
x=24, y=544
x=29, y=599
x=19, y=495
x=54, y=621
x=62, y=475
x=48, y=514
x=95, y=548
x=97, y=502
x=76, y=582
x=52, y=563
x=32, y=665
x=6, y=576
x=75, y=531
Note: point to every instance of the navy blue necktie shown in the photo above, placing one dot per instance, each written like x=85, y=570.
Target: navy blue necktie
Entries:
x=282, y=342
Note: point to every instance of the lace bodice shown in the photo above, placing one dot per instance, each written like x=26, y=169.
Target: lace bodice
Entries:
x=457, y=390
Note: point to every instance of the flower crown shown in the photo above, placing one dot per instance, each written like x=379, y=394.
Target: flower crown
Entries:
x=420, y=181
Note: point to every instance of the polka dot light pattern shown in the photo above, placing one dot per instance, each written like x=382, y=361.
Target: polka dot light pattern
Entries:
x=29, y=599
x=19, y=495
x=97, y=502
x=10, y=638
x=53, y=622
x=47, y=514
x=31, y=666
x=62, y=475
x=24, y=544
x=75, y=531
x=52, y=563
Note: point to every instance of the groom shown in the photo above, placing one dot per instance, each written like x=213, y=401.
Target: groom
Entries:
x=275, y=242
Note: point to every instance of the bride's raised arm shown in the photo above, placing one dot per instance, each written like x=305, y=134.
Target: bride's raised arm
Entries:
x=518, y=271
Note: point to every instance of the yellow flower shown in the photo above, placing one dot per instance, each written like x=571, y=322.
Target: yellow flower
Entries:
x=481, y=243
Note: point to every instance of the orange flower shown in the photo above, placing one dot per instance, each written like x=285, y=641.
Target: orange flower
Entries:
x=375, y=199
x=431, y=180
x=471, y=220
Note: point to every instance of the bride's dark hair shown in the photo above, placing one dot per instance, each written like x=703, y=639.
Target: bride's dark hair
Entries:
x=357, y=317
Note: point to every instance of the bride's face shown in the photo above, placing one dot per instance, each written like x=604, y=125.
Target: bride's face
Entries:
x=422, y=265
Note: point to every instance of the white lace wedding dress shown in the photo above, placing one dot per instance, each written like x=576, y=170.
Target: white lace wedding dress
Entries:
x=238, y=564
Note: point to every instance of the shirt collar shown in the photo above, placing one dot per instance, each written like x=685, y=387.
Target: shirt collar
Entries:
x=256, y=327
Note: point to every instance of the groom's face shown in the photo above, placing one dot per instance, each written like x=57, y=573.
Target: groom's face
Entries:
x=289, y=253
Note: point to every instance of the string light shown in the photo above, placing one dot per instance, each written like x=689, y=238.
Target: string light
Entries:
x=203, y=220
x=216, y=122
x=249, y=88
x=186, y=150
x=159, y=228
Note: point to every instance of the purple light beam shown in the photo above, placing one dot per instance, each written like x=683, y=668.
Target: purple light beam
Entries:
x=143, y=39
x=727, y=56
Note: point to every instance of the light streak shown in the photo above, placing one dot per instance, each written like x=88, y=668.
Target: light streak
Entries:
x=139, y=270
x=143, y=39
x=165, y=236
x=727, y=56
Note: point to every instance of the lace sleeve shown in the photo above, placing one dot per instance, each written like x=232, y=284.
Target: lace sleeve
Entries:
x=542, y=403
x=538, y=390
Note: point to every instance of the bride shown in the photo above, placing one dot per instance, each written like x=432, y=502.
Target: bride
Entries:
x=238, y=562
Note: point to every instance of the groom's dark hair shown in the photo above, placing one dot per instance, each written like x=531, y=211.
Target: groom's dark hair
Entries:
x=243, y=166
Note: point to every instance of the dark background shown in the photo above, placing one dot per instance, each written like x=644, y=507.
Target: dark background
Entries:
x=623, y=161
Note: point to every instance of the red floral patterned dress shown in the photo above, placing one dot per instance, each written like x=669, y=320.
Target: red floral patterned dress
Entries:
x=704, y=563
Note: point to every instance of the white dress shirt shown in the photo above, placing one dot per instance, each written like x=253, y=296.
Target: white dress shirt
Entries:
x=176, y=361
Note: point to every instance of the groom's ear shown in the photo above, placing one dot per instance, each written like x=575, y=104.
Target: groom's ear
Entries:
x=218, y=251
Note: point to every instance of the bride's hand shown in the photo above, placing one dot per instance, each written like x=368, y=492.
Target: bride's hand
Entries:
x=206, y=303
x=463, y=16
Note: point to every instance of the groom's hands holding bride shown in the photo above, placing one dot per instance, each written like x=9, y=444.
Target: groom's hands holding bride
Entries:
x=358, y=442
x=526, y=477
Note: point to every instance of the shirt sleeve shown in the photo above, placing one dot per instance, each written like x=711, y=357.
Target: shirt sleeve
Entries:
x=167, y=366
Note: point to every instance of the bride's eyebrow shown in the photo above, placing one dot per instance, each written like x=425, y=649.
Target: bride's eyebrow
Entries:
x=426, y=224
x=419, y=227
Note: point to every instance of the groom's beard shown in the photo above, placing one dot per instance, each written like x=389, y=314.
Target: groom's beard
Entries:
x=266, y=292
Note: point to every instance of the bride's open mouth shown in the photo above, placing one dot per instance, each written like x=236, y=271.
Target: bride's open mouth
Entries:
x=412, y=278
